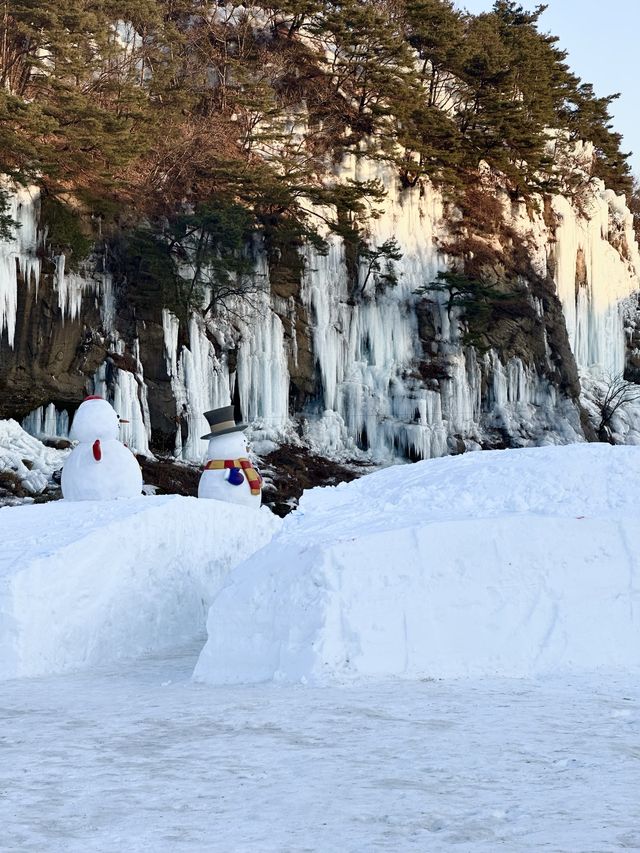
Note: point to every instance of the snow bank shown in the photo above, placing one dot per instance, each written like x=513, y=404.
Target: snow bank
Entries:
x=517, y=562
x=93, y=582
x=28, y=458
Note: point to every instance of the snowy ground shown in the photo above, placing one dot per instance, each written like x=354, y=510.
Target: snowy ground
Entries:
x=142, y=759
x=521, y=563
x=27, y=460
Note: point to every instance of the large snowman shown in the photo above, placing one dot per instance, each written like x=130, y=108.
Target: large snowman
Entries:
x=100, y=467
x=229, y=474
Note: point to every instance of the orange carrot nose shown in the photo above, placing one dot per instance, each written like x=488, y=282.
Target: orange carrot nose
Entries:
x=122, y=421
x=97, y=450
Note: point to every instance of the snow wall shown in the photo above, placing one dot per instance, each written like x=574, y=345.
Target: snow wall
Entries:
x=507, y=563
x=92, y=582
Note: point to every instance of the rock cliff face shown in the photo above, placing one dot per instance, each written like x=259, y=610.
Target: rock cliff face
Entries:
x=340, y=363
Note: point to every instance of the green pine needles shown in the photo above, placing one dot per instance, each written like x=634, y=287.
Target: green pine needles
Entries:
x=191, y=127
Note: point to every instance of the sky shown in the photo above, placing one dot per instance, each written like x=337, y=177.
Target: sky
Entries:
x=601, y=37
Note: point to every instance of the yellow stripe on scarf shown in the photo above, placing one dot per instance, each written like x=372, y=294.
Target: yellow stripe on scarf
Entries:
x=245, y=465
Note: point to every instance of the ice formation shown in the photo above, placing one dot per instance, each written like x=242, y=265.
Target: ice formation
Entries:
x=127, y=393
x=367, y=350
x=372, y=399
x=72, y=286
x=262, y=372
x=47, y=422
x=602, y=303
x=18, y=255
x=201, y=378
x=591, y=251
x=593, y=298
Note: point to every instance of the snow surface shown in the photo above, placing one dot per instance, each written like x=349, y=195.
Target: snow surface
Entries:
x=136, y=756
x=503, y=563
x=97, y=581
x=26, y=457
x=139, y=759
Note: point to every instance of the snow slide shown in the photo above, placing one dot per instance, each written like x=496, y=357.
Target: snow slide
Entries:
x=512, y=563
x=91, y=582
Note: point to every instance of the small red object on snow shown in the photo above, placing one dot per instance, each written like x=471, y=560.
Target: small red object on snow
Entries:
x=97, y=450
x=93, y=397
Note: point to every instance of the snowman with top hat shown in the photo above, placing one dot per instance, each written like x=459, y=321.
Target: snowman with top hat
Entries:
x=229, y=474
x=100, y=467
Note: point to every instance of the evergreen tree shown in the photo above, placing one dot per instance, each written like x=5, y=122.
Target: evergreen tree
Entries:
x=200, y=261
x=588, y=118
x=154, y=109
x=70, y=94
x=290, y=16
x=370, y=65
x=436, y=32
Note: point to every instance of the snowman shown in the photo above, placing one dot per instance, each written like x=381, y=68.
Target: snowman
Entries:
x=229, y=474
x=100, y=467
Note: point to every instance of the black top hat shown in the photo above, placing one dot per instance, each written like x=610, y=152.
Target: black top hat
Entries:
x=222, y=421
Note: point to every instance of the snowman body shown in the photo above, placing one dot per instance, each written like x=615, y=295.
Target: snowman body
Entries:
x=100, y=467
x=230, y=484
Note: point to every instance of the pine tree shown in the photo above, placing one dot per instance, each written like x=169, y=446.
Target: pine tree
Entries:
x=370, y=65
x=436, y=32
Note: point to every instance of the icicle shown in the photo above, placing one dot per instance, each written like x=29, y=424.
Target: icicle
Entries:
x=47, y=422
x=201, y=379
x=108, y=308
x=593, y=278
x=71, y=287
x=18, y=254
x=263, y=376
x=127, y=393
x=367, y=349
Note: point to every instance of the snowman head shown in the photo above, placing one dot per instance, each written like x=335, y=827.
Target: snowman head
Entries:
x=94, y=419
x=229, y=446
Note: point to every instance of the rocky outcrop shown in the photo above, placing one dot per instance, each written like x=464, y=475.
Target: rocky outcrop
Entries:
x=53, y=358
x=341, y=367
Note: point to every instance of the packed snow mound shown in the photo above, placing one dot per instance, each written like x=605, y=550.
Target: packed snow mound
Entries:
x=97, y=581
x=27, y=458
x=514, y=563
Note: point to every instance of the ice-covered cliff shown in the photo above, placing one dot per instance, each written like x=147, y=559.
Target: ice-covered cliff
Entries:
x=346, y=367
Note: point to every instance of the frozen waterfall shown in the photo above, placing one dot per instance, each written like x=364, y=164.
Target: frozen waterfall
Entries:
x=18, y=255
x=385, y=387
